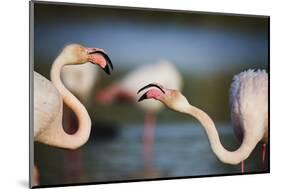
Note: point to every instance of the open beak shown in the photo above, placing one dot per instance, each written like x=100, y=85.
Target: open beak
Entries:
x=108, y=66
x=144, y=96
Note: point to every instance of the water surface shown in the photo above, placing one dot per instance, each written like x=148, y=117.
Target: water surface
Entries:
x=179, y=150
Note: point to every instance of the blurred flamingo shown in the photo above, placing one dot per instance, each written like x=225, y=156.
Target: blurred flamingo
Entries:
x=164, y=73
x=80, y=79
x=249, y=113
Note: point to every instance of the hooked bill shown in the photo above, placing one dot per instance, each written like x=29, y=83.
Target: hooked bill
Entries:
x=109, y=66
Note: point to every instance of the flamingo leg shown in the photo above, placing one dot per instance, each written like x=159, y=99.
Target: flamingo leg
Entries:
x=148, y=140
x=35, y=176
x=242, y=167
x=263, y=154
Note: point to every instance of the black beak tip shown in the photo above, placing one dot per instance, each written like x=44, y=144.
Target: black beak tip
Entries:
x=108, y=61
x=109, y=66
x=107, y=69
x=143, y=97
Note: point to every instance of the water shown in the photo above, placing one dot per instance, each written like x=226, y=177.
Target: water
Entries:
x=179, y=150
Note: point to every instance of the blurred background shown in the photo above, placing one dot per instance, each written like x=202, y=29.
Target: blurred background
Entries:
x=207, y=49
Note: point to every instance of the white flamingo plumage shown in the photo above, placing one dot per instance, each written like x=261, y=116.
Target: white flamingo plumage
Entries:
x=249, y=113
x=163, y=72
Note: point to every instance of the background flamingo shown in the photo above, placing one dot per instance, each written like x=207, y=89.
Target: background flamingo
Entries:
x=164, y=73
x=249, y=113
x=80, y=79
x=49, y=98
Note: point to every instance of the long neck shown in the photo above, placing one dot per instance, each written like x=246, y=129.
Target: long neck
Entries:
x=77, y=139
x=230, y=157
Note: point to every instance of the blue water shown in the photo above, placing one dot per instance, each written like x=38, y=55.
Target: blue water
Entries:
x=179, y=150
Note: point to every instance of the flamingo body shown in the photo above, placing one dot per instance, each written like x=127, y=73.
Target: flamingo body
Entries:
x=47, y=105
x=249, y=103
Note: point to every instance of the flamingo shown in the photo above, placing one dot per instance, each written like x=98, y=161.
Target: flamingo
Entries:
x=49, y=95
x=165, y=73
x=249, y=114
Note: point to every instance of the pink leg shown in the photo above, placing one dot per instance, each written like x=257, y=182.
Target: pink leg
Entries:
x=35, y=176
x=148, y=140
x=73, y=164
x=263, y=154
x=242, y=167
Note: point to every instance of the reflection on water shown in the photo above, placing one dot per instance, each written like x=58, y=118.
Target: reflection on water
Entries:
x=180, y=150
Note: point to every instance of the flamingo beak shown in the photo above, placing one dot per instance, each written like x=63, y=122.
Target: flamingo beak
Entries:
x=145, y=95
x=108, y=67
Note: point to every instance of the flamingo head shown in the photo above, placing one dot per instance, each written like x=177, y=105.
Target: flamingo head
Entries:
x=173, y=99
x=78, y=54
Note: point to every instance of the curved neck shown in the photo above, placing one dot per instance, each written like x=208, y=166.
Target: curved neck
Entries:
x=81, y=136
x=230, y=157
